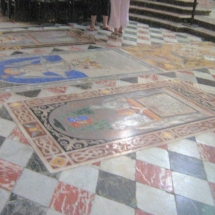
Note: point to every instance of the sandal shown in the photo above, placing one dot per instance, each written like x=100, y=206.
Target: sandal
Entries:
x=107, y=29
x=91, y=28
x=120, y=34
x=113, y=36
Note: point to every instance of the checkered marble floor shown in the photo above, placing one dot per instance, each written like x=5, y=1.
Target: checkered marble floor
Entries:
x=139, y=34
x=174, y=179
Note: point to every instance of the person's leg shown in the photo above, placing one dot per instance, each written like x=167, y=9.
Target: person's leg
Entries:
x=93, y=21
x=94, y=12
x=115, y=15
x=105, y=9
x=124, y=14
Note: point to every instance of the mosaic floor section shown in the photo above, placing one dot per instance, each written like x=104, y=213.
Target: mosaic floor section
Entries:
x=176, y=56
x=75, y=129
x=40, y=37
x=33, y=67
x=173, y=178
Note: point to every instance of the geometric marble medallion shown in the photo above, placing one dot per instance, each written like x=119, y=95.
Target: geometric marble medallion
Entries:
x=80, y=128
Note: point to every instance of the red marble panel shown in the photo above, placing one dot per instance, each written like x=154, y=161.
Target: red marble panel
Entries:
x=154, y=176
x=207, y=152
x=97, y=163
x=71, y=200
x=61, y=89
x=9, y=173
x=108, y=83
x=17, y=135
x=165, y=146
x=139, y=212
x=5, y=96
x=212, y=186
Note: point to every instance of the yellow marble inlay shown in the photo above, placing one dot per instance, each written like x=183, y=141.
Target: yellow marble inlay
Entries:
x=168, y=135
x=58, y=161
x=105, y=91
x=16, y=104
x=176, y=56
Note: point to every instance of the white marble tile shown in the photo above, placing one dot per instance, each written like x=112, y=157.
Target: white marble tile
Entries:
x=83, y=177
x=15, y=152
x=207, y=89
x=142, y=25
x=203, y=75
x=169, y=40
x=36, y=187
x=4, y=195
x=156, y=156
x=207, y=138
x=155, y=201
x=153, y=40
x=122, y=83
x=106, y=206
x=45, y=93
x=212, y=71
x=192, y=188
x=185, y=147
x=6, y=127
x=129, y=42
x=143, y=42
x=185, y=77
x=18, y=29
x=123, y=166
x=113, y=42
x=210, y=171
x=14, y=97
x=53, y=212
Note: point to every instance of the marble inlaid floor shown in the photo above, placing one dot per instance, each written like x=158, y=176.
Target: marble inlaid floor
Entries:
x=176, y=178
x=41, y=37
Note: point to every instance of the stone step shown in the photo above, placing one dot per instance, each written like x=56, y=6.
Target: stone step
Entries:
x=166, y=15
x=171, y=25
x=168, y=7
x=185, y=3
x=206, y=22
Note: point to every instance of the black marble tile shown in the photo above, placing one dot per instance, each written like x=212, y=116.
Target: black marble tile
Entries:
x=203, y=70
x=192, y=139
x=187, y=165
x=7, y=85
x=131, y=155
x=130, y=32
x=57, y=50
x=36, y=165
x=206, y=82
x=17, y=52
x=116, y=188
x=179, y=35
x=187, y=206
x=2, y=139
x=130, y=80
x=4, y=114
x=84, y=86
x=17, y=205
x=131, y=27
x=93, y=47
x=30, y=94
x=156, y=37
x=155, y=31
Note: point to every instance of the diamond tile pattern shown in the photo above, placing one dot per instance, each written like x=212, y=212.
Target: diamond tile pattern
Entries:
x=177, y=178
